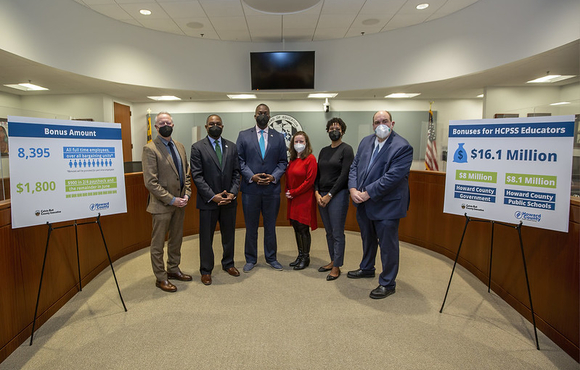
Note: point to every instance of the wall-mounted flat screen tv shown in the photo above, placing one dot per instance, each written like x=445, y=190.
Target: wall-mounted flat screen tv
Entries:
x=282, y=70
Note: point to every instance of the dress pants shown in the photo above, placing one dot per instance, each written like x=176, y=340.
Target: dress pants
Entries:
x=253, y=205
x=333, y=217
x=163, y=223
x=207, y=224
x=386, y=234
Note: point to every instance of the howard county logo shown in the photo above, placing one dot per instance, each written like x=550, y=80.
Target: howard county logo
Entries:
x=525, y=216
x=99, y=206
x=45, y=212
x=471, y=207
x=286, y=125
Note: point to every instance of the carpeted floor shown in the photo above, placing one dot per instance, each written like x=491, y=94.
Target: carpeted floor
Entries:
x=266, y=319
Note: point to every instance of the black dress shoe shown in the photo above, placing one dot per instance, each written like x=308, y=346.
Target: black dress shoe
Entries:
x=357, y=274
x=381, y=292
x=324, y=268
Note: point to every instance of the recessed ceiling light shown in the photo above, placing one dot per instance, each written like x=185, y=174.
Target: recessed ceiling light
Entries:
x=402, y=95
x=322, y=95
x=480, y=96
x=561, y=103
x=422, y=6
x=242, y=96
x=145, y=12
x=26, y=86
x=164, y=98
x=370, y=21
x=550, y=79
x=195, y=25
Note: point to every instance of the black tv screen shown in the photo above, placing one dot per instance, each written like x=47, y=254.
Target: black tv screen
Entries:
x=282, y=70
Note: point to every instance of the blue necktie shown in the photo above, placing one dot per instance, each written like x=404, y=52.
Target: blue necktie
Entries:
x=262, y=143
x=373, y=156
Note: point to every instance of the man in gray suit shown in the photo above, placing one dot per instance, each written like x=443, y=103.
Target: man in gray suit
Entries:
x=215, y=170
x=166, y=176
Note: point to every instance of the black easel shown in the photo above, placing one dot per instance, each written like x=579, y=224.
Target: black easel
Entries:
x=519, y=228
x=75, y=224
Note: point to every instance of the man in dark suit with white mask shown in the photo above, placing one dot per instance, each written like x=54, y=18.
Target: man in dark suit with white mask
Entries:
x=379, y=186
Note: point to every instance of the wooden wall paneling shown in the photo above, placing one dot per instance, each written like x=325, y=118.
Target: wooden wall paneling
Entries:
x=12, y=319
x=136, y=227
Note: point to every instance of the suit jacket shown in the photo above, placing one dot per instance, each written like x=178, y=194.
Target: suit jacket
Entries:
x=274, y=163
x=162, y=177
x=209, y=176
x=387, y=180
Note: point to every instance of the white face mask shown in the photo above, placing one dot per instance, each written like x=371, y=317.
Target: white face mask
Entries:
x=299, y=147
x=383, y=131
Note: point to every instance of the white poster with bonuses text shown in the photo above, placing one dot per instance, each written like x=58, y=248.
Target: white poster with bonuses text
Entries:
x=511, y=170
x=64, y=170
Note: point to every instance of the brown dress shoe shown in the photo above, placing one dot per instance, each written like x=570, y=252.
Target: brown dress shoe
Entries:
x=206, y=279
x=179, y=276
x=166, y=286
x=232, y=271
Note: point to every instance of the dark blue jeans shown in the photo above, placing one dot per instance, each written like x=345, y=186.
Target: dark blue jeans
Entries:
x=334, y=216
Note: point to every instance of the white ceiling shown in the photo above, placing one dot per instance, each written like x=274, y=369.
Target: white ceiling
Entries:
x=234, y=20
x=563, y=60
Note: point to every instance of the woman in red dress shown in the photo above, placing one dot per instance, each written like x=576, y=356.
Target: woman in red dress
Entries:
x=300, y=177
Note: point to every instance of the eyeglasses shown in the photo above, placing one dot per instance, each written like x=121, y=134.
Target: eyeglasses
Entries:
x=384, y=122
x=164, y=123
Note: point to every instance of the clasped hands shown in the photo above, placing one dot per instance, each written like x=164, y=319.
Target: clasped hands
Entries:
x=223, y=198
x=262, y=178
x=359, y=196
x=322, y=200
x=180, y=202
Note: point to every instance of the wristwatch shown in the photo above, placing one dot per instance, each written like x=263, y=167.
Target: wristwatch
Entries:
x=329, y=194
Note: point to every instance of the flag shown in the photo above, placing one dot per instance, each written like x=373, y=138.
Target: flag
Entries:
x=149, y=138
x=431, y=152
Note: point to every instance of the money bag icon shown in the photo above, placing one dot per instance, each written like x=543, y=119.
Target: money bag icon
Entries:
x=460, y=155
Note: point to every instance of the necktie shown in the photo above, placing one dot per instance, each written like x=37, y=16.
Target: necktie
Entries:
x=218, y=151
x=373, y=156
x=262, y=143
x=176, y=162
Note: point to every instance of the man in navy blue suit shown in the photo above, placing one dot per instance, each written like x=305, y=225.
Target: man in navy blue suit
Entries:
x=263, y=161
x=379, y=186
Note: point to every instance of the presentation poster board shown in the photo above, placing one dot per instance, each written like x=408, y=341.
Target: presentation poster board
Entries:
x=511, y=170
x=64, y=170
